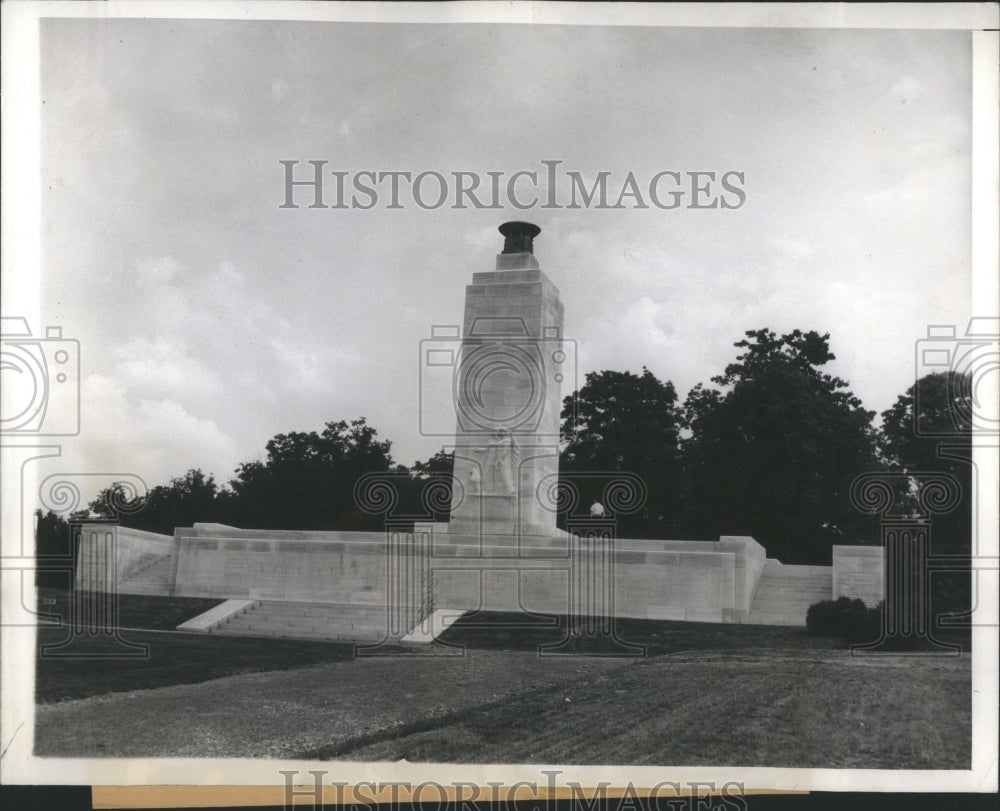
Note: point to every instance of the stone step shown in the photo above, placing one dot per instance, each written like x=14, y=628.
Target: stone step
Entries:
x=801, y=569
x=270, y=628
x=775, y=567
x=792, y=592
x=258, y=618
x=348, y=635
x=776, y=595
x=798, y=578
x=290, y=607
x=288, y=628
x=319, y=618
x=772, y=597
x=295, y=605
x=158, y=589
x=784, y=594
x=779, y=594
x=798, y=616
x=360, y=611
x=154, y=571
x=796, y=584
x=790, y=610
x=329, y=621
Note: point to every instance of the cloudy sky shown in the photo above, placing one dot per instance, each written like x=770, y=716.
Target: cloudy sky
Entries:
x=210, y=319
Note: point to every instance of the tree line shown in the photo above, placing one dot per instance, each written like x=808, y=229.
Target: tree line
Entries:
x=770, y=450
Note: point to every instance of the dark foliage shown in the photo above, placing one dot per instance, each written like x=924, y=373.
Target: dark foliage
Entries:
x=306, y=482
x=928, y=430
x=850, y=620
x=622, y=422
x=773, y=454
x=188, y=498
x=53, y=551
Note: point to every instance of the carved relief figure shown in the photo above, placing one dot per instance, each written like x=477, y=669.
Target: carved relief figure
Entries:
x=501, y=464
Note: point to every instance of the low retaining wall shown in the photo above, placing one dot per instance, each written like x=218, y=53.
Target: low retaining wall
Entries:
x=694, y=580
x=710, y=581
x=324, y=567
x=859, y=573
x=107, y=553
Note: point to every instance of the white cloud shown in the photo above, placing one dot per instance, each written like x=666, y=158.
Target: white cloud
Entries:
x=157, y=271
x=155, y=438
x=309, y=368
x=209, y=306
x=164, y=366
x=795, y=249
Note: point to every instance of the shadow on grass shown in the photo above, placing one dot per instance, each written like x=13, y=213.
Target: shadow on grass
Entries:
x=134, y=610
x=173, y=659
x=178, y=658
x=519, y=632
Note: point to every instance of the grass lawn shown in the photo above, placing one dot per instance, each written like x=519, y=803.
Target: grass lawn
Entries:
x=134, y=610
x=516, y=632
x=173, y=658
x=192, y=658
x=787, y=709
x=704, y=694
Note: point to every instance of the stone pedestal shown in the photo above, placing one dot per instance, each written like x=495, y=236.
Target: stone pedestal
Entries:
x=508, y=392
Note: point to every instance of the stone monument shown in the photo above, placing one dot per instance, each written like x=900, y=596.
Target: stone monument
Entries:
x=508, y=381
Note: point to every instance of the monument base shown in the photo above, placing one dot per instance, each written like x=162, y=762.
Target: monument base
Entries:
x=507, y=530
x=443, y=566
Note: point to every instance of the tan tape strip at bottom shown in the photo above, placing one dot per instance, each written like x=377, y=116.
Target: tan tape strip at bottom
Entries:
x=110, y=797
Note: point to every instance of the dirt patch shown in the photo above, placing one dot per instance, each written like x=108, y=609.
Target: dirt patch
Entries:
x=807, y=709
x=784, y=710
x=286, y=714
x=715, y=695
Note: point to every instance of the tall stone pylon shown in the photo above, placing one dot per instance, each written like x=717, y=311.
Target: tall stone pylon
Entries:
x=513, y=362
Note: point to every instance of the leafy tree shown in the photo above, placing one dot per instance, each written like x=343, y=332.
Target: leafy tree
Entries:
x=773, y=453
x=425, y=489
x=188, y=498
x=53, y=551
x=441, y=463
x=620, y=421
x=308, y=479
x=930, y=423
x=929, y=430
x=306, y=482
